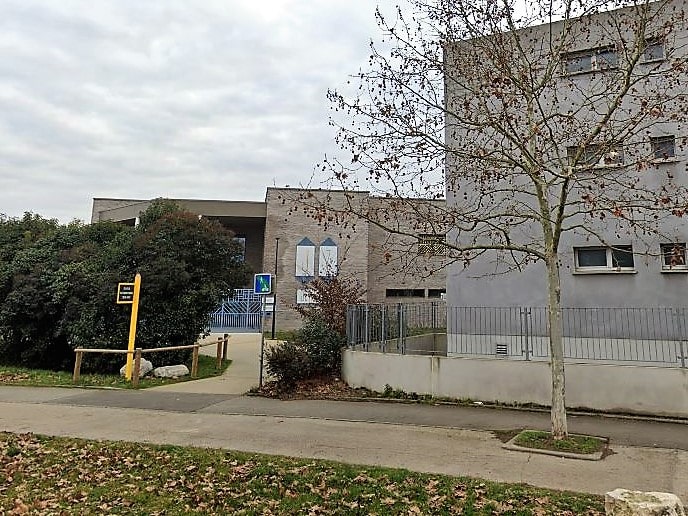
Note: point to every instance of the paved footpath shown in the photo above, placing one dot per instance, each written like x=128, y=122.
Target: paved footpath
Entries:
x=442, y=439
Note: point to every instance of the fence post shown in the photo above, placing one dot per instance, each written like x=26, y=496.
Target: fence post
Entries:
x=218, y=361
x=367, y=328
x=402, y=333
x=682, y=335
x=399, y=329
x=194, y=362
x=77, y=366
x=225, y=343
x=434, y=316
x=350, y=328
x=383, y=319
x=137, y=368
x=525, y=316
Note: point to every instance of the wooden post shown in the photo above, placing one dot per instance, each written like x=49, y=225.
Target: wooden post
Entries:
x=77, y=366
x=218, y=362
x=194, y=362
x=224, y=347
x=137, y=368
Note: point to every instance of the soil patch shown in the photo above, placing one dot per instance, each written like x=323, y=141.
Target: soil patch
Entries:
x=314, y=389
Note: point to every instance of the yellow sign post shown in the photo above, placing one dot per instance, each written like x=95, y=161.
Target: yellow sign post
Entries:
x=128, y=294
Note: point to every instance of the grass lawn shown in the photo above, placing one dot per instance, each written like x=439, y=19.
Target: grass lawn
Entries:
x=289, y=335
x=39, y=377
x=45, y=475
x=573, y=444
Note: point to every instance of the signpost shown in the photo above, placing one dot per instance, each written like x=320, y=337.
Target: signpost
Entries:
x=262, y=285
x=128, y=294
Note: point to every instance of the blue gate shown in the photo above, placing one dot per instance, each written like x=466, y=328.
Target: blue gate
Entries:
x=240, y=313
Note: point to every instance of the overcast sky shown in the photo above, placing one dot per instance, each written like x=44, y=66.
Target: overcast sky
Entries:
x=176, y=98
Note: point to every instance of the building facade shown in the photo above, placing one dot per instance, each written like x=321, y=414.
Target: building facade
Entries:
x=596, y=108
x=298, y=235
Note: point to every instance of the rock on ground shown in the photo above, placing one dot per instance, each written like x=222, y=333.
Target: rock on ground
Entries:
x=171, y=371
x=145, y=368
x=622, y=502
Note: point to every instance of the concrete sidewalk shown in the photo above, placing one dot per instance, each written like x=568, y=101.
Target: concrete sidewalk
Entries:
x=242, y=374
x=442, y=439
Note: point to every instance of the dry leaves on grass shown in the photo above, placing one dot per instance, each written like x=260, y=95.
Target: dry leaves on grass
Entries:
x=9, y=378
x=68, y=476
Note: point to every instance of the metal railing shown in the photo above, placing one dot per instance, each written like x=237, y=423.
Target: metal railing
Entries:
x=397, y=328
x=649, y=336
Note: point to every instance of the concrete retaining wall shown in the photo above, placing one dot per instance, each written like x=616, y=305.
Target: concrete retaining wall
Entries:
x=426, y=344
x=620, y=388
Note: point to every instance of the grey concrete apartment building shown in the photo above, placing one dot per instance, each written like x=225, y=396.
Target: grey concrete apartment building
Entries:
x=605, y=262
x=281, y=236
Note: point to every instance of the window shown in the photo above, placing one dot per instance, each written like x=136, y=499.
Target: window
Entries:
x=241, y=240
x=405, y=292
x=327, y=259
x=590, y=60
x=654, y=51
x=305, y=259
x=431, y=244
x=663, y=147
x=596, y=156
x=606, y=59
x=303, y=297
x=604, y=259
x=436, y=292
x=674, y=256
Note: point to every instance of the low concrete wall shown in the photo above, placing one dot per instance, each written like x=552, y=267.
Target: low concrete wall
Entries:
x=647, y=390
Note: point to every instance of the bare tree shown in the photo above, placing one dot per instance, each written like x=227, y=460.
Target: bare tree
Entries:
x=534, y=118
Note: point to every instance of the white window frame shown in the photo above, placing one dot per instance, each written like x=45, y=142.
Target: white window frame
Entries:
x=327, y=259
x=656, y=141
x=305, y=259
x=609, y=267
x=613, y=158
x=303, y=297
x=597, y=63
x=666, y=251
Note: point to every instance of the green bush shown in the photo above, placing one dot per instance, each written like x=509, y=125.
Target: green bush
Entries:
x=316, y=348
x=288, y=362
x=323, y=345
x=58, y=284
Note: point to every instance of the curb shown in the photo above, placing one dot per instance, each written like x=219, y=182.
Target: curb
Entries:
x=510, y=445
x=406, y=401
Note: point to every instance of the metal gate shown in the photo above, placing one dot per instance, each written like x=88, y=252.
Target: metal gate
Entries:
x=239, y=313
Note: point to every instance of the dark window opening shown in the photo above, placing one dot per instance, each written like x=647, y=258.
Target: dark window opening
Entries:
x=405, y=292
x=663, y=147
x=654, y=51
x=241, y=240
x=674, y=256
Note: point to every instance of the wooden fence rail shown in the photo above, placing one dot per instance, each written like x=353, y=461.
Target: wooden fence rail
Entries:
x=221, y=356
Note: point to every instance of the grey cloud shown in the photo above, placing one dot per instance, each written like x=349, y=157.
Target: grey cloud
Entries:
x=219, y=98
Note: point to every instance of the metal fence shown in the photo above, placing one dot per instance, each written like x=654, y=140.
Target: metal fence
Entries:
x=650, y=336
x=241, y=312
x=397, y=328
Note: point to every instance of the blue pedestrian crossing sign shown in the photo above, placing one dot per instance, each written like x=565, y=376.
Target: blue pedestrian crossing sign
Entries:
x=262, y=283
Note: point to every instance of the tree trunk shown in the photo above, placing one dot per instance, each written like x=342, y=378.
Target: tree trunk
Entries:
x=556, y=348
